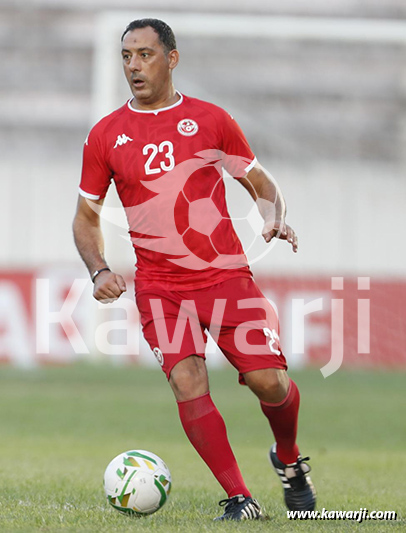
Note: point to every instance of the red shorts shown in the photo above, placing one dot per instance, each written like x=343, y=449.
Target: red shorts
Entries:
x=235, y=312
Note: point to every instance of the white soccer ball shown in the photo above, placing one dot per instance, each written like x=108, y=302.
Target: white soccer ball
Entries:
x=137, y=482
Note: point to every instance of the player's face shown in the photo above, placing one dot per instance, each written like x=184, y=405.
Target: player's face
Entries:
x=146, y=65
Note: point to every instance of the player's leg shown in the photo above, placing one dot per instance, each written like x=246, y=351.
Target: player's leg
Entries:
x=204, y=425
x=279, y=399
x=206, y=430
x=250, y=341
x=202, y=422
x=188, y=379
x=249, y=338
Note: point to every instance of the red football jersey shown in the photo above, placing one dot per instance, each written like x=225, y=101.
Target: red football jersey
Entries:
x=167, y=168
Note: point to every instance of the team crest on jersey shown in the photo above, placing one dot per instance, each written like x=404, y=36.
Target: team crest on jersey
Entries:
x=159, y=356
x=187, y=127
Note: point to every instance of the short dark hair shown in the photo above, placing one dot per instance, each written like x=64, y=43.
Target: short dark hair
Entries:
x=165, y=33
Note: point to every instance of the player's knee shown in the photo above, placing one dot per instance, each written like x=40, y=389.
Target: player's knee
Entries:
x=270, y=384
x=189, y=379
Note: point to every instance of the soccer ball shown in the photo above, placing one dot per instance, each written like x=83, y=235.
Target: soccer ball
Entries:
x=137, y=482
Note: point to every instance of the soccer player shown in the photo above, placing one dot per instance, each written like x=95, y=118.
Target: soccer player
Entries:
x=165, y=152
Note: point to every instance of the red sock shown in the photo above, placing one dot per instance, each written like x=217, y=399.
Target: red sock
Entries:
x=282, y=418
x=206, y=431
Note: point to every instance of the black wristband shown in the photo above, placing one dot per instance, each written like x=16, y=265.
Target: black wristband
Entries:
x=97, y=272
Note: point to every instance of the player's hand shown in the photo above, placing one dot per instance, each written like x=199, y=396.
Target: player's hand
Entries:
x=283, y=232
x=108, y=287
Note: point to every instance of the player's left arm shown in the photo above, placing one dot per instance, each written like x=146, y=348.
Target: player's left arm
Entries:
x=271, y=204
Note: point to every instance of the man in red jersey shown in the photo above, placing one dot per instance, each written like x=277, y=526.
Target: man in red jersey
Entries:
x=165, y=152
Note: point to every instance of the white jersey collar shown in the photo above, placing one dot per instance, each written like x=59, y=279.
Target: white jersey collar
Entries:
x=155, y=111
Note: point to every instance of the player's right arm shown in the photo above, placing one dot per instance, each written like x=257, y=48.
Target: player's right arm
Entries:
x=89, y=241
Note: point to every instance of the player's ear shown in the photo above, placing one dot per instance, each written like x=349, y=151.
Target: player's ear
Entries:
x=173, y=58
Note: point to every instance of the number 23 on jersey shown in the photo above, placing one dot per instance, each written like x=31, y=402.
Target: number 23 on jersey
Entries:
x=151, y=150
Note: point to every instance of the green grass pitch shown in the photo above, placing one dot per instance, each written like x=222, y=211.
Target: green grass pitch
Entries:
x=60, y=427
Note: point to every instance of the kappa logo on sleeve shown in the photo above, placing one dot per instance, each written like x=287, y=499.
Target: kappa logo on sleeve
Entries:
x=122, y=139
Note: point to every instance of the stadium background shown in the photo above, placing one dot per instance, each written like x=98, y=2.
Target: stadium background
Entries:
x=325, y=115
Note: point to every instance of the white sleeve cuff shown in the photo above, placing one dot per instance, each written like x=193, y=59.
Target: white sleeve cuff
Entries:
x=251, y=165
x=88, y=195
